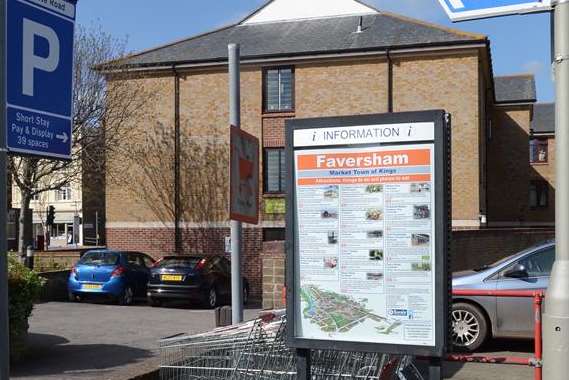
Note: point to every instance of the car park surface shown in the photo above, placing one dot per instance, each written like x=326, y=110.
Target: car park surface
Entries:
x=101, y=341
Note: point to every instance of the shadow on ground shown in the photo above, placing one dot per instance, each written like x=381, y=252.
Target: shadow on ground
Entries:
x=494, y=347
x=51, y=355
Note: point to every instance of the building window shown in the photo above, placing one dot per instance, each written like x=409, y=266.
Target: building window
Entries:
x=538, y=194
x=35, y=197
x=538, y=151
x=278, y=89
x=274, y=173
x=63, y=194
x=273, y=234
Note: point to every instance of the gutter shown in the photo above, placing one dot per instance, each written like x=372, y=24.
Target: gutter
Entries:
x=177, y=199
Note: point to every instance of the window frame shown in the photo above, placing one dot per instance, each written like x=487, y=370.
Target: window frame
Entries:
x=536, y=142
x=293, y=89
x=275, y=230
x=544, y=186
x=64, y=194
x=282, y=183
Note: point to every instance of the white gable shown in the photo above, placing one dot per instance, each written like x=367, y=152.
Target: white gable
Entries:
x=287, y=10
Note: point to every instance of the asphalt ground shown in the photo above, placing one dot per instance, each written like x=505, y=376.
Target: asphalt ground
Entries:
x=99, y=341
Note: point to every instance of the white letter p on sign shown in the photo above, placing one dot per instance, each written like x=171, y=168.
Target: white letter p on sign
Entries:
x=30, y=60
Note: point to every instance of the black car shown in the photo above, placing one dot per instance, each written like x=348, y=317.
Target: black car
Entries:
x=203, y=279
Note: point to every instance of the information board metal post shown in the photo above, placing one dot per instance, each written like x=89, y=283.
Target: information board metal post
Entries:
x=236, y=226
x=4, y=321
x=303, y=365
x=556, y=316
x=435, y=369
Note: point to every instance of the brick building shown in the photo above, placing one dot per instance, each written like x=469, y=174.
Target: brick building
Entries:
x=328, y=58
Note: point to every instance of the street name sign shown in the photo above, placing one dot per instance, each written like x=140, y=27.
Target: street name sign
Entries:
x=39, y=77
x=367, y=233
x=463, y=10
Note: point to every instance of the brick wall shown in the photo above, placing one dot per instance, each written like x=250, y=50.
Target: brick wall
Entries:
x=55, y=260
x=274, y=130
x=545, y=172
x=510, y=171
x=273, y=275
x=508, y=166
x=159, y=242
x=475, y=248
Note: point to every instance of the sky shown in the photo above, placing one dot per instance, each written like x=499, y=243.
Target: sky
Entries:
x=520, y=44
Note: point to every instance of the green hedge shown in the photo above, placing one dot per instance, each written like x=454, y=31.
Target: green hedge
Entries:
x=24, y=287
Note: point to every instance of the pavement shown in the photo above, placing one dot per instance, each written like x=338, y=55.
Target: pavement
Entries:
x=98, y=341
x=479, y=371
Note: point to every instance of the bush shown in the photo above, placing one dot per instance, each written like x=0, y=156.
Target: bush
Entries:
x=24, y=288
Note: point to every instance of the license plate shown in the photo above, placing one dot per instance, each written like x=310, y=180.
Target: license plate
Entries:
x=171, y=277
x=92, y=286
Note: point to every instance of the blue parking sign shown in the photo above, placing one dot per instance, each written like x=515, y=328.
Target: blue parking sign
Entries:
x=462, y=10
x=39, y=77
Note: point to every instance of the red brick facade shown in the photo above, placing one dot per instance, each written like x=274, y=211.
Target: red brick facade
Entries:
x=159, y=242
x=274, y=130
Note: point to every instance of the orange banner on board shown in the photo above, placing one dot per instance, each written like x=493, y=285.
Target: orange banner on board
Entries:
x=377, y=159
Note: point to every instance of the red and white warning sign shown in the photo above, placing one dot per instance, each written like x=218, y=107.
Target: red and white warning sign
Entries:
x=244, y=178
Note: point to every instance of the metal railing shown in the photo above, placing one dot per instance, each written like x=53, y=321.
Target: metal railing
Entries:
x=537, y=360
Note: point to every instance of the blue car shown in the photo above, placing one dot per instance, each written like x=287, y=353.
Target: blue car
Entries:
x=118, y=275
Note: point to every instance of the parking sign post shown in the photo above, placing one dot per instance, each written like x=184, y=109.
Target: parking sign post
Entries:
x=556, y=316
x=36, y=103
x=4, y=327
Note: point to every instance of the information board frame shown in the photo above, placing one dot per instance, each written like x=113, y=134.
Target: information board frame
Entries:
x=441, y=146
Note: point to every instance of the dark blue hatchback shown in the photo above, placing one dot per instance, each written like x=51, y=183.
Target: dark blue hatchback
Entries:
x=119, y=275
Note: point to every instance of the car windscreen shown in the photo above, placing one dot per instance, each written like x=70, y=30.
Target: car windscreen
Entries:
x=178, y=262
x=100, y=258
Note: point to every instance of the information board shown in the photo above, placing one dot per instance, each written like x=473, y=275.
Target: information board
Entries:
x=367, y=233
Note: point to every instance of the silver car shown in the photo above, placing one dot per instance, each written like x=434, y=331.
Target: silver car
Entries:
x=475, y=319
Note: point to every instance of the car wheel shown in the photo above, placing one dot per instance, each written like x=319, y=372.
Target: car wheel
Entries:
x=154, y=302
x=127, y=296
x=469, y=327
x=72, y=297
x=245, y=296
x=212, y=298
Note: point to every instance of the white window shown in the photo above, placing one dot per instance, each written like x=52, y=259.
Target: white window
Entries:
x=64, y=194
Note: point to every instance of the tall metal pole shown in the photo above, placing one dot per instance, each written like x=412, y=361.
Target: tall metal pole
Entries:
x=556, y=316
x=4, y=321
x=236, y=228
